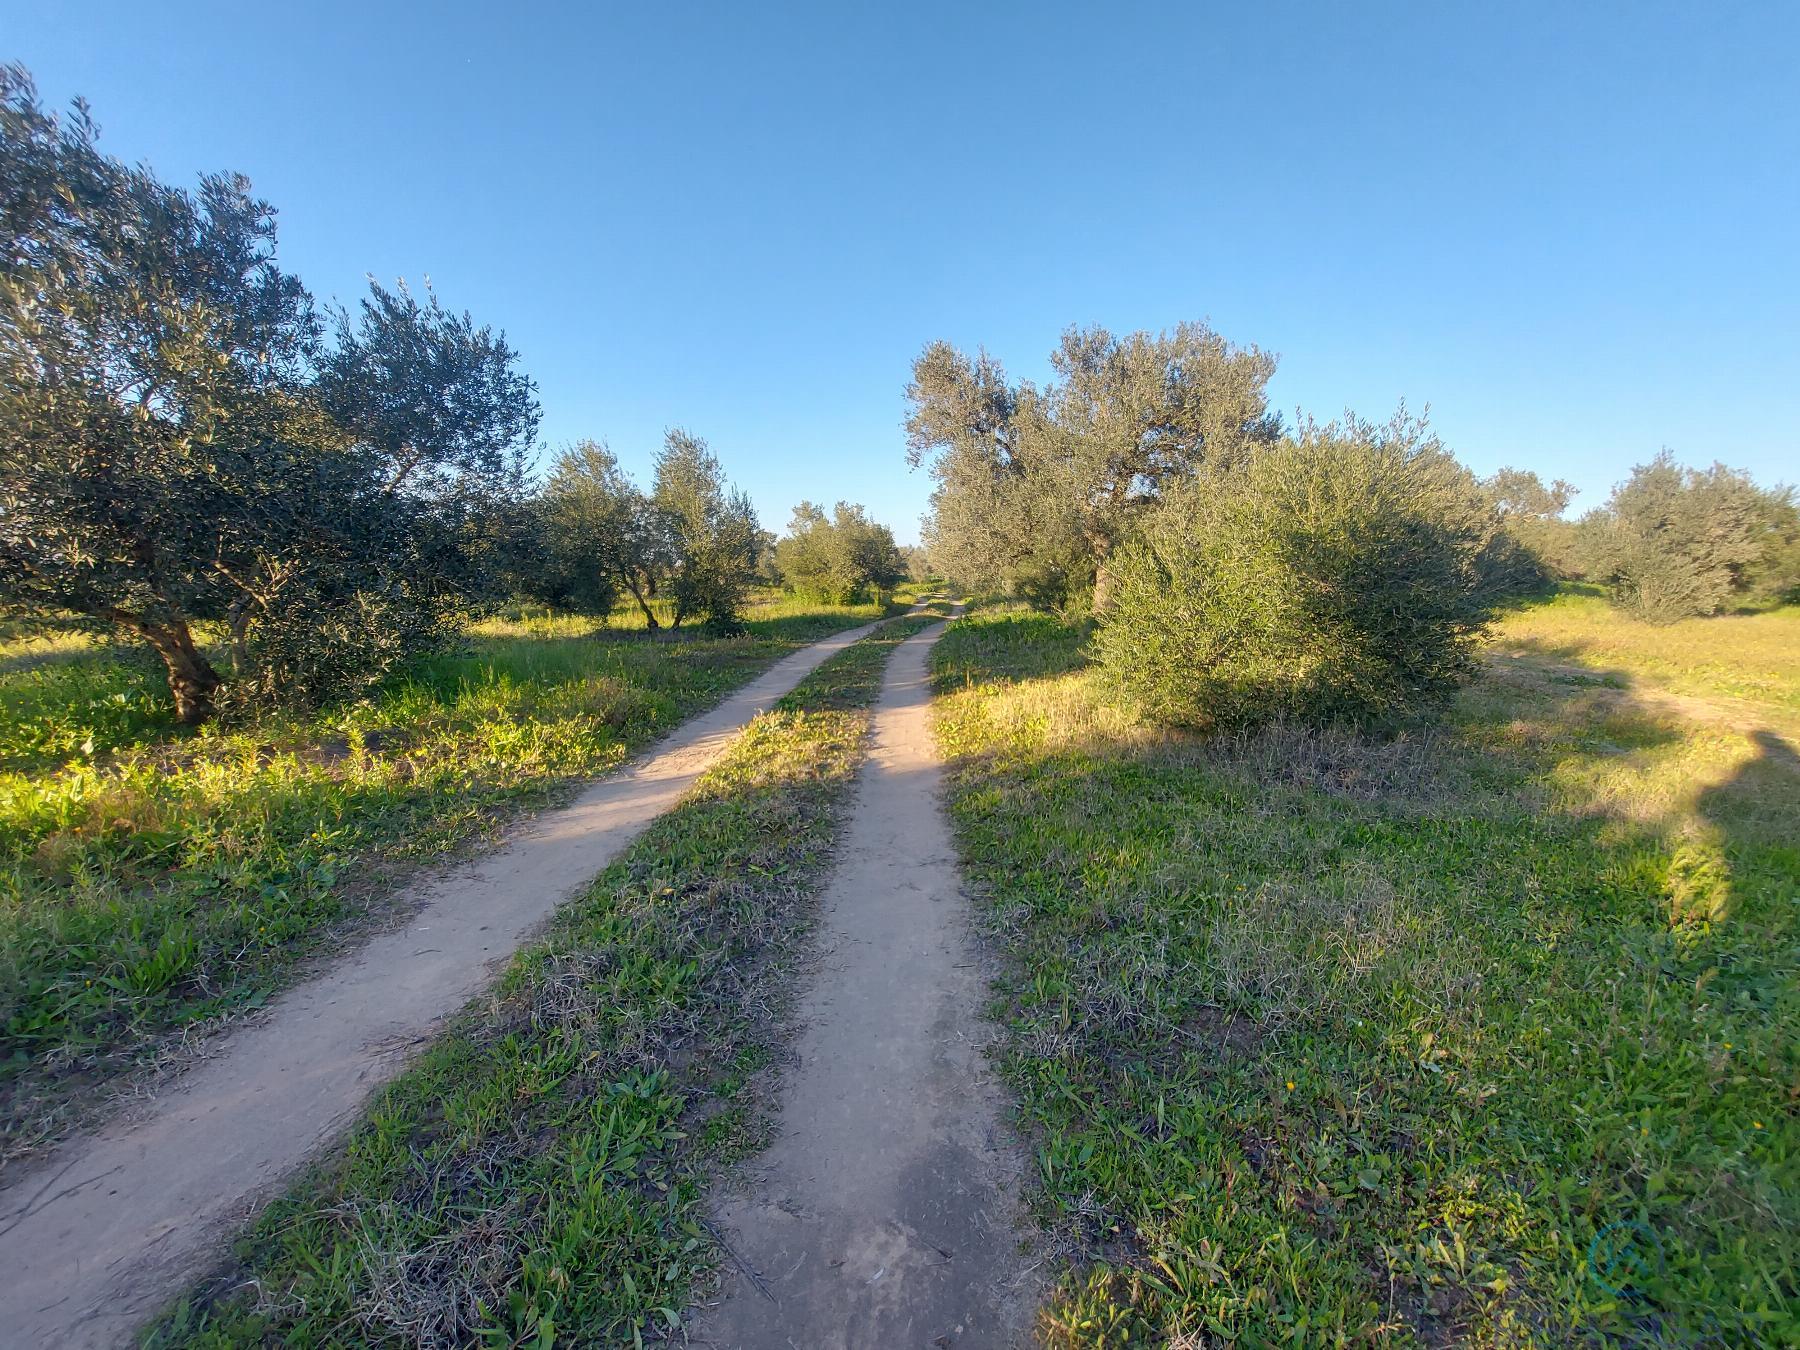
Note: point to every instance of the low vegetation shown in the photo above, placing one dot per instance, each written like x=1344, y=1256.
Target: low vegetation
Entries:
x=1339, y=574
x=1749, y=665
x=536, y=1178
x=1483, y=1032
x=153, y=880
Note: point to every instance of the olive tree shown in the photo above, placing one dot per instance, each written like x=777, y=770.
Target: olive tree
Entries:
x=184, y=438
x=1531, y=515
x=1036, y=487
x=599, y=535
x=838, y=558
x=712, y=532
x=1677, y=542
x=1341, y=574
x=1774, y=578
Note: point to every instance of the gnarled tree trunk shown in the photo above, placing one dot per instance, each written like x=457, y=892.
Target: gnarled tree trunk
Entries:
x=192, y=680
x=636, y=585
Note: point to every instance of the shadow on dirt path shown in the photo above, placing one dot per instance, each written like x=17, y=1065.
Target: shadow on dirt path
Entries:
x=886, y=1212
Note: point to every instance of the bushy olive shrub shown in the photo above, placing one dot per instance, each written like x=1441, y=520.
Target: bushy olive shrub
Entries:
x=1678, y=542
x=1339, y=574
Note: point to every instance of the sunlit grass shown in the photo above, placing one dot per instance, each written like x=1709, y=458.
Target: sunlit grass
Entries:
x=151, y=879
x=1321, y=1037
x=536, y=1178
x=1754, y=658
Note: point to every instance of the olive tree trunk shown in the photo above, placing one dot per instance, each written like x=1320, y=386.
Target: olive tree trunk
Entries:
x=192, y=680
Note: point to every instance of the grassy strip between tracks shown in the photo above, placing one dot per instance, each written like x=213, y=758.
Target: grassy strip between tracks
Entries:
x=536, y=1178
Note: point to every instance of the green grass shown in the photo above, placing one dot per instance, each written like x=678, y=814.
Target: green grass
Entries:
x=1757, y=665
x=1321, y=1039
x=536, y=1178
x=151, y=880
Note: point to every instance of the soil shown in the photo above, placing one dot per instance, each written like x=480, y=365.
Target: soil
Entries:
x=886, y=1212
x=116, y=1223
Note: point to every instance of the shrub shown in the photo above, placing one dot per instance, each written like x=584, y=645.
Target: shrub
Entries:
x=1678, y=542
x=841, y=559
x=1337, y=575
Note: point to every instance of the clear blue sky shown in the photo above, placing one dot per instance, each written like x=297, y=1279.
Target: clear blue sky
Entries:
x=1572, y=229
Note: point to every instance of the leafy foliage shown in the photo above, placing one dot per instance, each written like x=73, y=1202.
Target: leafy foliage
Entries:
x=1774, y=577
x=1339, y=575
x=179, y=440
x=598, y=534
x=712, y=531
x=1037, y=487
x=1676, y=542
x=1539, y=546
x=838, y=558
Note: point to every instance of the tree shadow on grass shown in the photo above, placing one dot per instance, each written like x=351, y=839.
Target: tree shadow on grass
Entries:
x=1565, y=874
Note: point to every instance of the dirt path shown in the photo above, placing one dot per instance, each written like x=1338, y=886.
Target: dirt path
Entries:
x=884, y=1214
x=114, y=1224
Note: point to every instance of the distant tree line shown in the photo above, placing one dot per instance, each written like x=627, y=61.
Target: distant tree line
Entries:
x=1242, y=570
x=589, y=538
x=1670, y=543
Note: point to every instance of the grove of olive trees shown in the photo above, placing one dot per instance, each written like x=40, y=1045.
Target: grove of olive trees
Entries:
x=1240, y=571
x=286, y=503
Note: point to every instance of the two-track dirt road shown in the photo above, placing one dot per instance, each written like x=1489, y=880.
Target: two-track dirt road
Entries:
x=115, y=1223
x=885, y=1214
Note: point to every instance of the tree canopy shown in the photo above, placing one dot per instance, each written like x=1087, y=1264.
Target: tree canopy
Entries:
x=840, y=558
x=1038, y=486
x=712, y=531
x=183, y=437
x=1675, y=542
x=597, y=534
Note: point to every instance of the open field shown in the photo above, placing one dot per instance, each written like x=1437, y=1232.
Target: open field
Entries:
x=536, y=1178
x=1752, y=675
x=1485, y=1033
x=152, y=881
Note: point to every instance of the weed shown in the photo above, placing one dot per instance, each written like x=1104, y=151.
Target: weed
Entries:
x=1322, y=1038
x=536, y=1177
